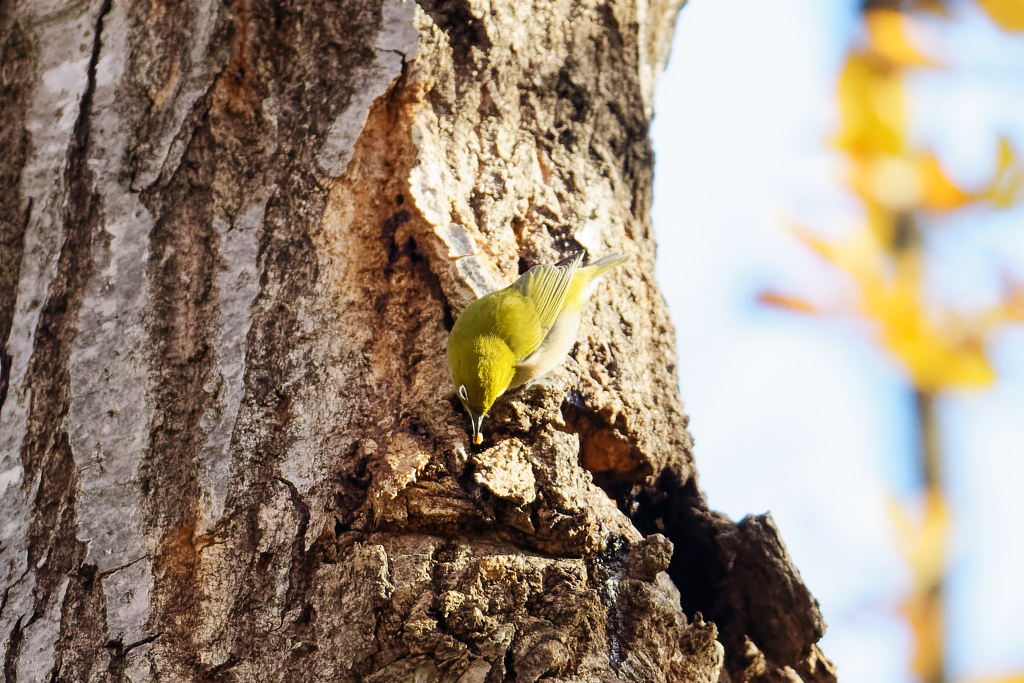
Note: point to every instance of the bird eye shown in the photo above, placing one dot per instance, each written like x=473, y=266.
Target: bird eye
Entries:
x=463, y=393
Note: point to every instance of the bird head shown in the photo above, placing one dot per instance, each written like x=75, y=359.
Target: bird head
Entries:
x=482, y=367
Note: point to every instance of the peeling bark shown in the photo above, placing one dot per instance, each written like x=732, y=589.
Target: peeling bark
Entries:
x=235, y=236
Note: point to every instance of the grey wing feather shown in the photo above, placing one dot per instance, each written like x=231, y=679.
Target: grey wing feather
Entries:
x=547, y=286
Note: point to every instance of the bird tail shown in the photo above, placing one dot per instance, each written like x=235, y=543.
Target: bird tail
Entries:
x=586, y=279
x=598, y=268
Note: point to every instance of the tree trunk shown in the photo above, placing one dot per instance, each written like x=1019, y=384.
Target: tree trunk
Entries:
x=234, y=238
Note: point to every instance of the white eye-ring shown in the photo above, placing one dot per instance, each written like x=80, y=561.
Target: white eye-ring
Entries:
x=463, y=393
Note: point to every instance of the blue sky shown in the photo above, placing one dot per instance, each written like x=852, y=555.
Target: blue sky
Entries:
x=806, y=418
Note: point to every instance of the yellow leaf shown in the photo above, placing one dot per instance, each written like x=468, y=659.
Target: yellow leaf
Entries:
x=1013, y=301
x=872, y=108
x=936, y=355
x=1009, y=14
x=890, y=181
x=787, y=302
x=923, y=541
x=1007, y=187
x=939, y=192
x=887, y=31
x=1009, y=310
x=905, y=182
x=823, y=247
x=934, y=365
x=1019, y=678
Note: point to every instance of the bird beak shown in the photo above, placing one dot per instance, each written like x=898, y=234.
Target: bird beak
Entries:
x=477, y=421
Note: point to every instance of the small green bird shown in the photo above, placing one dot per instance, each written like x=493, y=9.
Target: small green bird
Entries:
x=511, y=336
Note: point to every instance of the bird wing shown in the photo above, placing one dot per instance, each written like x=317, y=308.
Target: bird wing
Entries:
x=546, y=287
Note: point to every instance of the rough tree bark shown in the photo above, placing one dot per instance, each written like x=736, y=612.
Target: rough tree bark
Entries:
x=234, y=238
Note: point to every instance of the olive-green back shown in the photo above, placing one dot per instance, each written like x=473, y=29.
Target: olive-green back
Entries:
x=546, y=287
